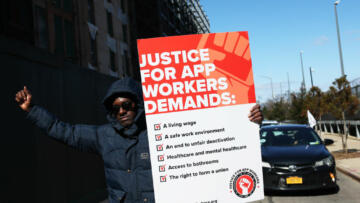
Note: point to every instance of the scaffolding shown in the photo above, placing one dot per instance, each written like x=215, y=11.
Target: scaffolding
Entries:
x=202, y=21
x=170, y=17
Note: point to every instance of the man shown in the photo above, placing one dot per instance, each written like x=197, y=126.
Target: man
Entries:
x=122, y=143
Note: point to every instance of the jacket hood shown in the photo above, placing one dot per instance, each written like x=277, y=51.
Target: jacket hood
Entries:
x=126, y=87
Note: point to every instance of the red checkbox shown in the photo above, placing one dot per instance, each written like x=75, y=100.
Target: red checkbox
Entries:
x=162, y=168
x=159, y=147
x=161, y=157
x=163, y=178
x=158, y=137
x=157, y=127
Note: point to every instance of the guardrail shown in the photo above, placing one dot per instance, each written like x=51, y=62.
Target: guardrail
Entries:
x=337, y=127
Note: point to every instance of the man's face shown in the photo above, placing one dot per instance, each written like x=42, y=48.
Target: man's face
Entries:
x=124, y=109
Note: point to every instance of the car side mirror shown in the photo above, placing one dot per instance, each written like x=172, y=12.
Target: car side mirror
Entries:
x=328, y=142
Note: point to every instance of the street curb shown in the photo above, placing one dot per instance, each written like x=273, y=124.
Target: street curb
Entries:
x=348, y=173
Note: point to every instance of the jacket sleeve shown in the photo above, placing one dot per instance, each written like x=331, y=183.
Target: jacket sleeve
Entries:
x=82, y=137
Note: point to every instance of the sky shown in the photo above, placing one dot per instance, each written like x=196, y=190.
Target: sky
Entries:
x=280, y=29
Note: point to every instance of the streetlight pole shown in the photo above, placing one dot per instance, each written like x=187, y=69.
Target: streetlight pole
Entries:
x=302, y=70
x=339, y=41
x=272, y=89
x=311, y=70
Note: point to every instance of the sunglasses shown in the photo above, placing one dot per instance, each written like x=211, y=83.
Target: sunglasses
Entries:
x=127, y=106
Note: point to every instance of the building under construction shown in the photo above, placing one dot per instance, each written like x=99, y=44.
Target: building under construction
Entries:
x=170, y=17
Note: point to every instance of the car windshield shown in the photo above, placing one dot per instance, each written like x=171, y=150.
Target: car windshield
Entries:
x=288, y=137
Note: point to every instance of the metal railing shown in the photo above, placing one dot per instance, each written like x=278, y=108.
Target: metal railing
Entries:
x=337, y=127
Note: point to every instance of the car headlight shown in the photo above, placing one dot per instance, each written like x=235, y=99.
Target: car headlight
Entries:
x=266, y=165
x=328, y=161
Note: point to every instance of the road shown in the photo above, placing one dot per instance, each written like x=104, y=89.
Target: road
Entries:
x=349, y=192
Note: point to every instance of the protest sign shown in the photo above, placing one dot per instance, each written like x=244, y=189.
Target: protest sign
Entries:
x=198, y=91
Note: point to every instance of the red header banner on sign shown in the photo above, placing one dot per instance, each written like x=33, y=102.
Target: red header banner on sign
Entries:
x=200, y=71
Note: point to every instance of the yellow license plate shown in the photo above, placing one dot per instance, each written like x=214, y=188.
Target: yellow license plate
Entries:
x=294, y=180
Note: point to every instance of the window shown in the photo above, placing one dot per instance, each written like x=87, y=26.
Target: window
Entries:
x=66, y=5
x=69, y=38
x=64, y=37
x=124, y=29
x=125, y=63
x=93, y=47
x=59, y=36
x=93, y=52
x=62, y=34
x=112, y=61
x=110, y=23
x=91, y=12
x=42, y=29
x=122, y=2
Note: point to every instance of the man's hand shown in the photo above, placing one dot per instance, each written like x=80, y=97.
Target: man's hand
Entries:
x=23, y=98
x=255, y=114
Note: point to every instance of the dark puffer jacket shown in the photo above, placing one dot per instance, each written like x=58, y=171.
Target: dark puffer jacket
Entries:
x=125, y=152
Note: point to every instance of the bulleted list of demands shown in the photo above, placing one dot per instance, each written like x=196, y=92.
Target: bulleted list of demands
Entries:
x=198, y=91
x=196, y=158
x=173, y=145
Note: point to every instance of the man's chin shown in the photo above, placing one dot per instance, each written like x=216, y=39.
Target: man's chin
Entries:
x=126, y=123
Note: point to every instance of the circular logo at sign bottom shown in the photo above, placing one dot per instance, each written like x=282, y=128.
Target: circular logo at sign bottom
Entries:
x=244, y=182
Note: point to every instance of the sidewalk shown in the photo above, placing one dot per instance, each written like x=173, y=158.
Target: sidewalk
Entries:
x=350, y=166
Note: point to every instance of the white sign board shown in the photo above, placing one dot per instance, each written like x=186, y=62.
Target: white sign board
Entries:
x=198, y=91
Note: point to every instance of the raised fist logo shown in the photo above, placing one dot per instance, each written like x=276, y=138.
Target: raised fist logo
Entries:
x=244, y=185
x=226, y=50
